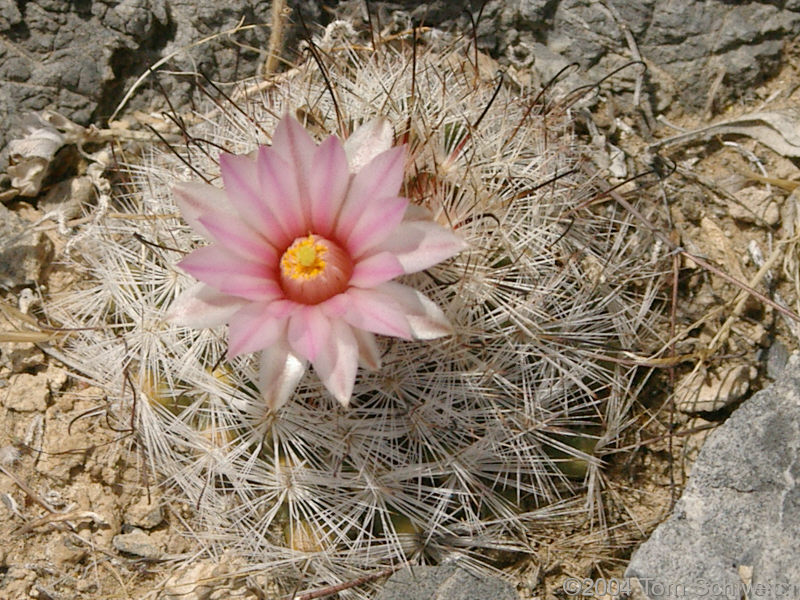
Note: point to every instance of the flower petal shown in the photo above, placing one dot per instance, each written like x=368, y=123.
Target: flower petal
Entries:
x=379, y=179
x=279, y=374
x=421, y=244
x=369, y=355
x=293, y=144
x=377, y=221
x=231, y=274
x=196, y=199
x=327, y=185
x=376, y=269
x=240, y=174
x=309, y=332
x=257, y=326
x=337, y=362
x=426, y=319
x=366, y=142
x=278, y=179
x=376, y=312
x=334, y=307
x=238, y=237
x=202, y=306
x=415, y=212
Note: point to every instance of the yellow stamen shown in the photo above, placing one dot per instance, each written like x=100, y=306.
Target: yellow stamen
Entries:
x=304, y=259
x=306, y=255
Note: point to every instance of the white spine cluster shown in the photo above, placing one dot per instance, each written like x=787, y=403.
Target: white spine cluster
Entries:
x=454, y=445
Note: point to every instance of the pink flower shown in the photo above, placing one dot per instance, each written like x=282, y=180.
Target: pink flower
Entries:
x=306, y=240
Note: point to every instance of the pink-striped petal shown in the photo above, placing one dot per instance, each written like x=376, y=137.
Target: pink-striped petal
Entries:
x=202, y=306
x=278, y=181
x=426, y=319
x=257, y=326
x=231, y=274
x=367, y=142
x=376, y=312
x=337, y=362
x=309, y=332
x=293, y=144
x=239, y=238
x=369, y=355
x=280, y=372
x=196, y=199
x=334, y=307
x=375, y=270
x=379, y=179
x=419, y=245
x=327, y=185
x=377, y=221
x=240, y=175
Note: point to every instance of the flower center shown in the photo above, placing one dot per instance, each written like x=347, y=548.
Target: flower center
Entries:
x=304, y=259
x=313, y=269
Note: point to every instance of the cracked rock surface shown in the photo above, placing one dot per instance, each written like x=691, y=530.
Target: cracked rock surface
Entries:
x=79, y=58
x=739, y=516
x=687, y=46
x=444, y=582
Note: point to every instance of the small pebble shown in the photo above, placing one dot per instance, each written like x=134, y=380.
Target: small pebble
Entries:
x=138, y=543
x=143, y=514
x=777, y=357
x=27, y=393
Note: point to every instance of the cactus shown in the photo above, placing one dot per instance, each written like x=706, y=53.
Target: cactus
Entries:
x=456, y=446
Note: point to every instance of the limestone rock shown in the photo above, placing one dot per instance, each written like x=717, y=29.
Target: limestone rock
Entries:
x=27, y=393
x=445, y=582
x=138, y=543
x=687, y=45
x=81, y=57
x=740, y=512
x=143, y=514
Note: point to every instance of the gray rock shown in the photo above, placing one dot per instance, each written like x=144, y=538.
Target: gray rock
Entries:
x=138, y=543
x=444, y=582
x=687, y=44
x=777, y=356
x=740, y=513
x=79, y=58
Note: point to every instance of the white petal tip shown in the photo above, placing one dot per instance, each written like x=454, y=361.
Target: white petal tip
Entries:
x=426, y=328
x=367, y=142
x=281, y=371
x=341, y=388
x=200, y=307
